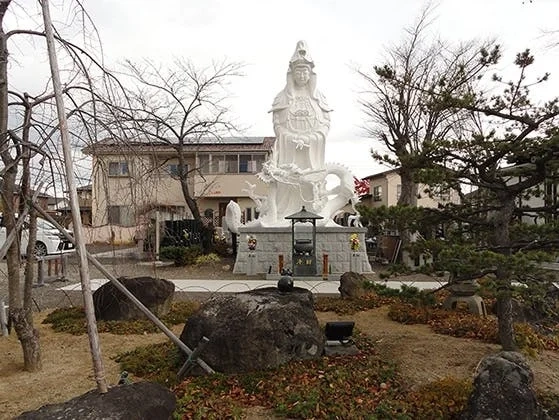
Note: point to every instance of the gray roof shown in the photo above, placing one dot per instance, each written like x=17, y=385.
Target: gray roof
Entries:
x=200, y=144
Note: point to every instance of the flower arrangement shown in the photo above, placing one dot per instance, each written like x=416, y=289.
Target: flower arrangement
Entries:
x=251, y=241
x=354, y=242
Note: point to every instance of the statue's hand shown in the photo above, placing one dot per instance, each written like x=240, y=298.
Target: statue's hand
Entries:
x=300, y=143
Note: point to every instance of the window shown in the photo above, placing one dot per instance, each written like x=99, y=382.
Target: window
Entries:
x=232, y=164
x=377, y=193
x=258, y=161
x=398, y=191
x=118, y=169
x=204, y=163
x=121, y=215
x=245, y=163
x=173, y=169
x=217, y=164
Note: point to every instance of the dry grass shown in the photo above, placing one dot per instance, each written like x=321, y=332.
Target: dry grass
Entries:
x=67, y=368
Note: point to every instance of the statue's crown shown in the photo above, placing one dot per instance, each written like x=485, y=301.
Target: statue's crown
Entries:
x=301, y=56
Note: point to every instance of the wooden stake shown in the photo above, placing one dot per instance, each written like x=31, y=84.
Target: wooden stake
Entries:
x=98, y=367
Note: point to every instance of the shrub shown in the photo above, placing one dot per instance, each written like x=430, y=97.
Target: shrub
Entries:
x=442, y=399
x=207, y=259
x=347, y=306
x=181, y=255
x=407, y=313
x=406, y=293
x=467, y=325
x=221, y=248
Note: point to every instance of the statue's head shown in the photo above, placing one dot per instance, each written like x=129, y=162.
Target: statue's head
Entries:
x=301, y=74
x=301, y=66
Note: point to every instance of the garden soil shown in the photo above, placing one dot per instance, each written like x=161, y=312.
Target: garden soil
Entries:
x=67, y=372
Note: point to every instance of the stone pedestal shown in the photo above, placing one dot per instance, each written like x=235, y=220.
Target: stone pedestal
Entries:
x=276, y=241
x=356, y=262
x=251, y=264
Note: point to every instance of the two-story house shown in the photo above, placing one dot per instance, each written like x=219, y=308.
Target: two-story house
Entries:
x=133, y=181
x=385, y=189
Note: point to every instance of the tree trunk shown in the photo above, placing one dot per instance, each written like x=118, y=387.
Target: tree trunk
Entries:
x=505, y=322
x=408, y=191
x=28, y=337
x=408, y=197
x=190, y=202
x=501, y=239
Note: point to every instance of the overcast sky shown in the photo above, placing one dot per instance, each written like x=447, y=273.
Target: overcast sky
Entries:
x=340, y=34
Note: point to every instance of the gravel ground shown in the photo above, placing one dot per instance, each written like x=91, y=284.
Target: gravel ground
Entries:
x=48, y=296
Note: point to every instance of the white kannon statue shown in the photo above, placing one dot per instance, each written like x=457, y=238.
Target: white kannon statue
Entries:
x=296, y=171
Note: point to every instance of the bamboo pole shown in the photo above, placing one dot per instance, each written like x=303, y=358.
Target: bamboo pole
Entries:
x=128, y=294
x=98, y=367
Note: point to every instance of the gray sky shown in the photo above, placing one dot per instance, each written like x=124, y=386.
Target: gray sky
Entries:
x=341, y=34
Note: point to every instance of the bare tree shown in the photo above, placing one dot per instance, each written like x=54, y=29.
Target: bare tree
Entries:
x=28, y=127
x=179, y=106
x=399, y=106
x=402, y=102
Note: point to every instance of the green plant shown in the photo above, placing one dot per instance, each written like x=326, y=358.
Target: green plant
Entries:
x=348, y=306
x=156, y=362
x=207, y=259
x=220, y=247
x=72, y=320
x=181, y=255
x=442, y=399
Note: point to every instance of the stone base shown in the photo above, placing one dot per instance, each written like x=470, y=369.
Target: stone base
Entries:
x=276, y=241
x=339, y=349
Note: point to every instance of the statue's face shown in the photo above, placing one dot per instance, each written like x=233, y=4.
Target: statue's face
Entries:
x=301, y=75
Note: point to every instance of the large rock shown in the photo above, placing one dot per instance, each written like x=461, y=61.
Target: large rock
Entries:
x=352, y=285
x=256, y=330
x=141, y=400
x=503, y=390
x=111, y=304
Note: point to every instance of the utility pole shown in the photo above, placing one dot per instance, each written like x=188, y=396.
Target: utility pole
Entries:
x=92, y=332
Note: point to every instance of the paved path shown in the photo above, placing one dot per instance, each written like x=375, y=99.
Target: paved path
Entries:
x=232, y=286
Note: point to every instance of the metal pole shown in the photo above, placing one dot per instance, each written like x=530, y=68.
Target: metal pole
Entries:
x=92, y=333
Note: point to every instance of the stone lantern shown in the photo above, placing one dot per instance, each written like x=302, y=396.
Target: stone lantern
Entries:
x=303, y=241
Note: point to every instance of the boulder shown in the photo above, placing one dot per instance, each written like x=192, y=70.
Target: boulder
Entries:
x=352, y=285
x=503, y=390
x=255, y=330
x=111, y=304
x=141, y=400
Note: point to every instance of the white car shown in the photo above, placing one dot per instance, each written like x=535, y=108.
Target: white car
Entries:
x=49, y=239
